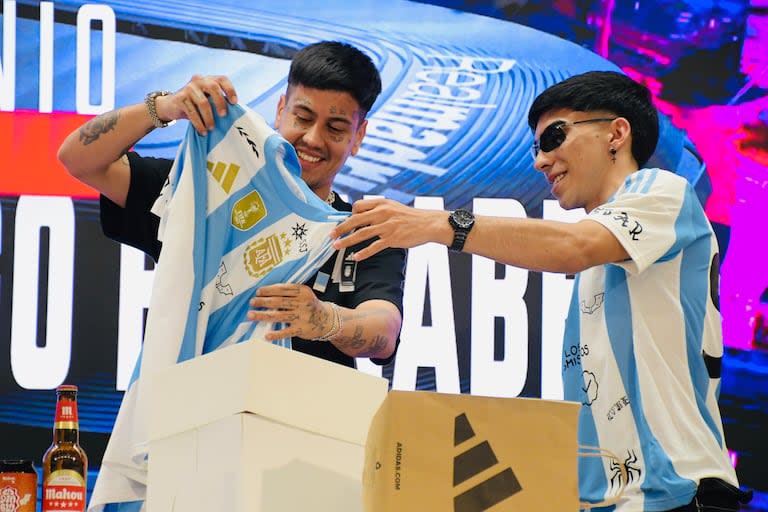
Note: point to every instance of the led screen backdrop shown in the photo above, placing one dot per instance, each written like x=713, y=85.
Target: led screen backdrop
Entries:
x=449, y=130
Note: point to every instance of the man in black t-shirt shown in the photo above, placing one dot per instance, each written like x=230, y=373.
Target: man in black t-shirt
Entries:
x=331, y=88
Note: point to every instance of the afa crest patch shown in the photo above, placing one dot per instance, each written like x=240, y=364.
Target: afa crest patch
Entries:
x=264, y=254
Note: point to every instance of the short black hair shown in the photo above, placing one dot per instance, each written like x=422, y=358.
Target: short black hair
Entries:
x=608, y=91
x=337, y=66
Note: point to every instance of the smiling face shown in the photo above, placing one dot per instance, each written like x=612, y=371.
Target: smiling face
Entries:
x=325, y=127
x=580, y=170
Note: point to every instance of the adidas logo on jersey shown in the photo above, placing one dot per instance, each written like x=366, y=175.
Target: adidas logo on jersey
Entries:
x=223, y=173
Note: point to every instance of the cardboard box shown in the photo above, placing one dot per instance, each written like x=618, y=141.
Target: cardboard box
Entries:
x=432, y=451
x=257, y=427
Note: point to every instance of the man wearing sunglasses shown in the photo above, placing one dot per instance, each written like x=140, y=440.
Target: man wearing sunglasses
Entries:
x=645, y=259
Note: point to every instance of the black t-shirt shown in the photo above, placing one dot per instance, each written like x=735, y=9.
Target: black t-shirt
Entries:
x=378, y=277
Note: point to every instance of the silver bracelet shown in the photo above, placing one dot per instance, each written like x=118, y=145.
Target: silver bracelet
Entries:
x=149, y=101
x=336, y=324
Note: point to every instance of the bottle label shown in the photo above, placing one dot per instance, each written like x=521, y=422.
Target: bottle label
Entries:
x=64, y=491
x=66, y=414
x=18, y=492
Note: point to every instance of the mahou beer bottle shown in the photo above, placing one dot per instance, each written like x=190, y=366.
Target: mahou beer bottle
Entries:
x=65, y=465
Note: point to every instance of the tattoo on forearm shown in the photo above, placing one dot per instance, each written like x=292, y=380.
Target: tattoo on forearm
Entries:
x=363, y=346
x=93, y=129
x=378, y=344
x=355, y=341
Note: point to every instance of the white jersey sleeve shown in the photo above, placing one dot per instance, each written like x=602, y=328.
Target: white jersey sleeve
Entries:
x=645, y=216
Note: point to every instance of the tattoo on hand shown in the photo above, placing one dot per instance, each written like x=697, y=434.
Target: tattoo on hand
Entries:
x=93, y=129
x=319, y=317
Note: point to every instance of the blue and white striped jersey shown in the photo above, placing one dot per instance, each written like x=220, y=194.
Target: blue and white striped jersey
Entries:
x=256, y=223
x=235, y=215
x=642, y=348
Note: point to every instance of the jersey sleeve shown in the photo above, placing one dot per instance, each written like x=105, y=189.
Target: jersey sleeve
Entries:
x=136, y=225
x=654, y=216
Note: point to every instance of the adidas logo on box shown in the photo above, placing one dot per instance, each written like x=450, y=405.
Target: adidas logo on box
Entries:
x=473, y=461
x=430, y=451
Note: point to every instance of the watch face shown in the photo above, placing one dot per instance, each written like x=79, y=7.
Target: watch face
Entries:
x=463, y=218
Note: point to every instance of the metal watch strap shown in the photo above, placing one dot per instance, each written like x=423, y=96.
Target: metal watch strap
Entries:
x=149, y=101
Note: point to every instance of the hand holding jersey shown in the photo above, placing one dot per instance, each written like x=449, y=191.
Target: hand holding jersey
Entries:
x=296, y=308
x=199, y=101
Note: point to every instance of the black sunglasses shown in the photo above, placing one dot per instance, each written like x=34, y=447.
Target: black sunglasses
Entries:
x=554, y=135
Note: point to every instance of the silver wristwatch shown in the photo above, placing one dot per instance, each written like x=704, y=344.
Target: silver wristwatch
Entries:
x=149, y=101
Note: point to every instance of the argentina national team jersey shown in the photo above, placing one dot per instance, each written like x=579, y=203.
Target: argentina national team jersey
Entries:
x=642, y=346
x=235, y=215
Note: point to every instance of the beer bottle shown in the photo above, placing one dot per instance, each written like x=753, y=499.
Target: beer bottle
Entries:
x=65, y=465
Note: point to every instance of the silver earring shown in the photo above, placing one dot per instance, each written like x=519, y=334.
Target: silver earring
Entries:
x=612, y=151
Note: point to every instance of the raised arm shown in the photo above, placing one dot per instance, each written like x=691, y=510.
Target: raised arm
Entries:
x=95, y=152
x=533, y=244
